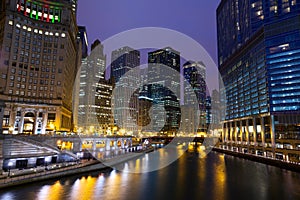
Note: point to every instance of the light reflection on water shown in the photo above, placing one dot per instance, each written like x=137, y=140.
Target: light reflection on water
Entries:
x=213, y=177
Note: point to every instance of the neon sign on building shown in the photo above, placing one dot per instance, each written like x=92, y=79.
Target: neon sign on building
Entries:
x=39, y=11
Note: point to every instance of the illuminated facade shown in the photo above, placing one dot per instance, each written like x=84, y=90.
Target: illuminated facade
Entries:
x=167, y=106
x=94, y=115
x=82, y=58
x=259, y=53
x=122, y=61
x=195, y=75
x=38, y=65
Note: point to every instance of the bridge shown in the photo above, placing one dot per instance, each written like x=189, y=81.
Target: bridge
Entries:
x=23, y=151
x=166, y=139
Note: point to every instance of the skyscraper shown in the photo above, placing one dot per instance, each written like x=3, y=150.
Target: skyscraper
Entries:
x=94, y=114
x=122, y=61
x=37, y=65
x=195, y=74
x=125, y=105
x=259, y=50
x=166, y=109
x=82, y=36
x=82, y=57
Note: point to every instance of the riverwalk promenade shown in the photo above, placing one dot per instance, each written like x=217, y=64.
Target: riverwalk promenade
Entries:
x=293, y=166
x=19, y=177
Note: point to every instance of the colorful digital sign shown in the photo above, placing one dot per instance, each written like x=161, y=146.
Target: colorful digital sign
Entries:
x=39, y=11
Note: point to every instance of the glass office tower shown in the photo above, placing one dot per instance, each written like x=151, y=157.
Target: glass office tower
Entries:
x=166, y=110
x=195, y=74
x=123, y=76
x=259, y=54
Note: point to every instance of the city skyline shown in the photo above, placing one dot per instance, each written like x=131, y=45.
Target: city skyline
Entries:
x=143, y=118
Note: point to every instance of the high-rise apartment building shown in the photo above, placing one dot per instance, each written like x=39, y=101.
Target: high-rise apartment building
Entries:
x=125, y=106
x=259, y=53
x=94, y=115
x=37, y=65
x=164, y=89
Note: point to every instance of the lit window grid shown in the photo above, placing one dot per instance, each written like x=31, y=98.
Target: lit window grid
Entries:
x=24, y=35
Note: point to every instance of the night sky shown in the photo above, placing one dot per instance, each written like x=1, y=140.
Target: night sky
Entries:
x=195, y=18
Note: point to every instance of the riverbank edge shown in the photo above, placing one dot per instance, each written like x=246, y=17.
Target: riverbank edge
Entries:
x=260, y=159
x=80, y=170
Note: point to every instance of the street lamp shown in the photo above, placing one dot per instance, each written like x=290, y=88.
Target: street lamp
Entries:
x=10, y=164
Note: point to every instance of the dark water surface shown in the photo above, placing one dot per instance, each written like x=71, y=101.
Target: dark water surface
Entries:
x=217, y=176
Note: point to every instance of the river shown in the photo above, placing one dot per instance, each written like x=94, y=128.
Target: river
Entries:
x=216, y=176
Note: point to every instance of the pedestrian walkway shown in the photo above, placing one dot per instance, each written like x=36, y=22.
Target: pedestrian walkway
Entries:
x=17, y=177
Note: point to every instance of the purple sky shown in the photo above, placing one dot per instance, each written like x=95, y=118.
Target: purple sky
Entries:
x=195, y=18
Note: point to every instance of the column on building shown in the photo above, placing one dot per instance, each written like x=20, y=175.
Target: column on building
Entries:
x=58, y=119
x=224, y=132
x=262, y=124
x=254, y=131
x=235, y=132
x=12, y=117
x=122, y=143
x=36, y=122
x=21, y=122
x=107, y=144
x=94, y=147
x=272, y=130
x=227, y=132
x=230, y=131
x=116, y=144
x=241, y=132
x=247, y=133
x=44, y=121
